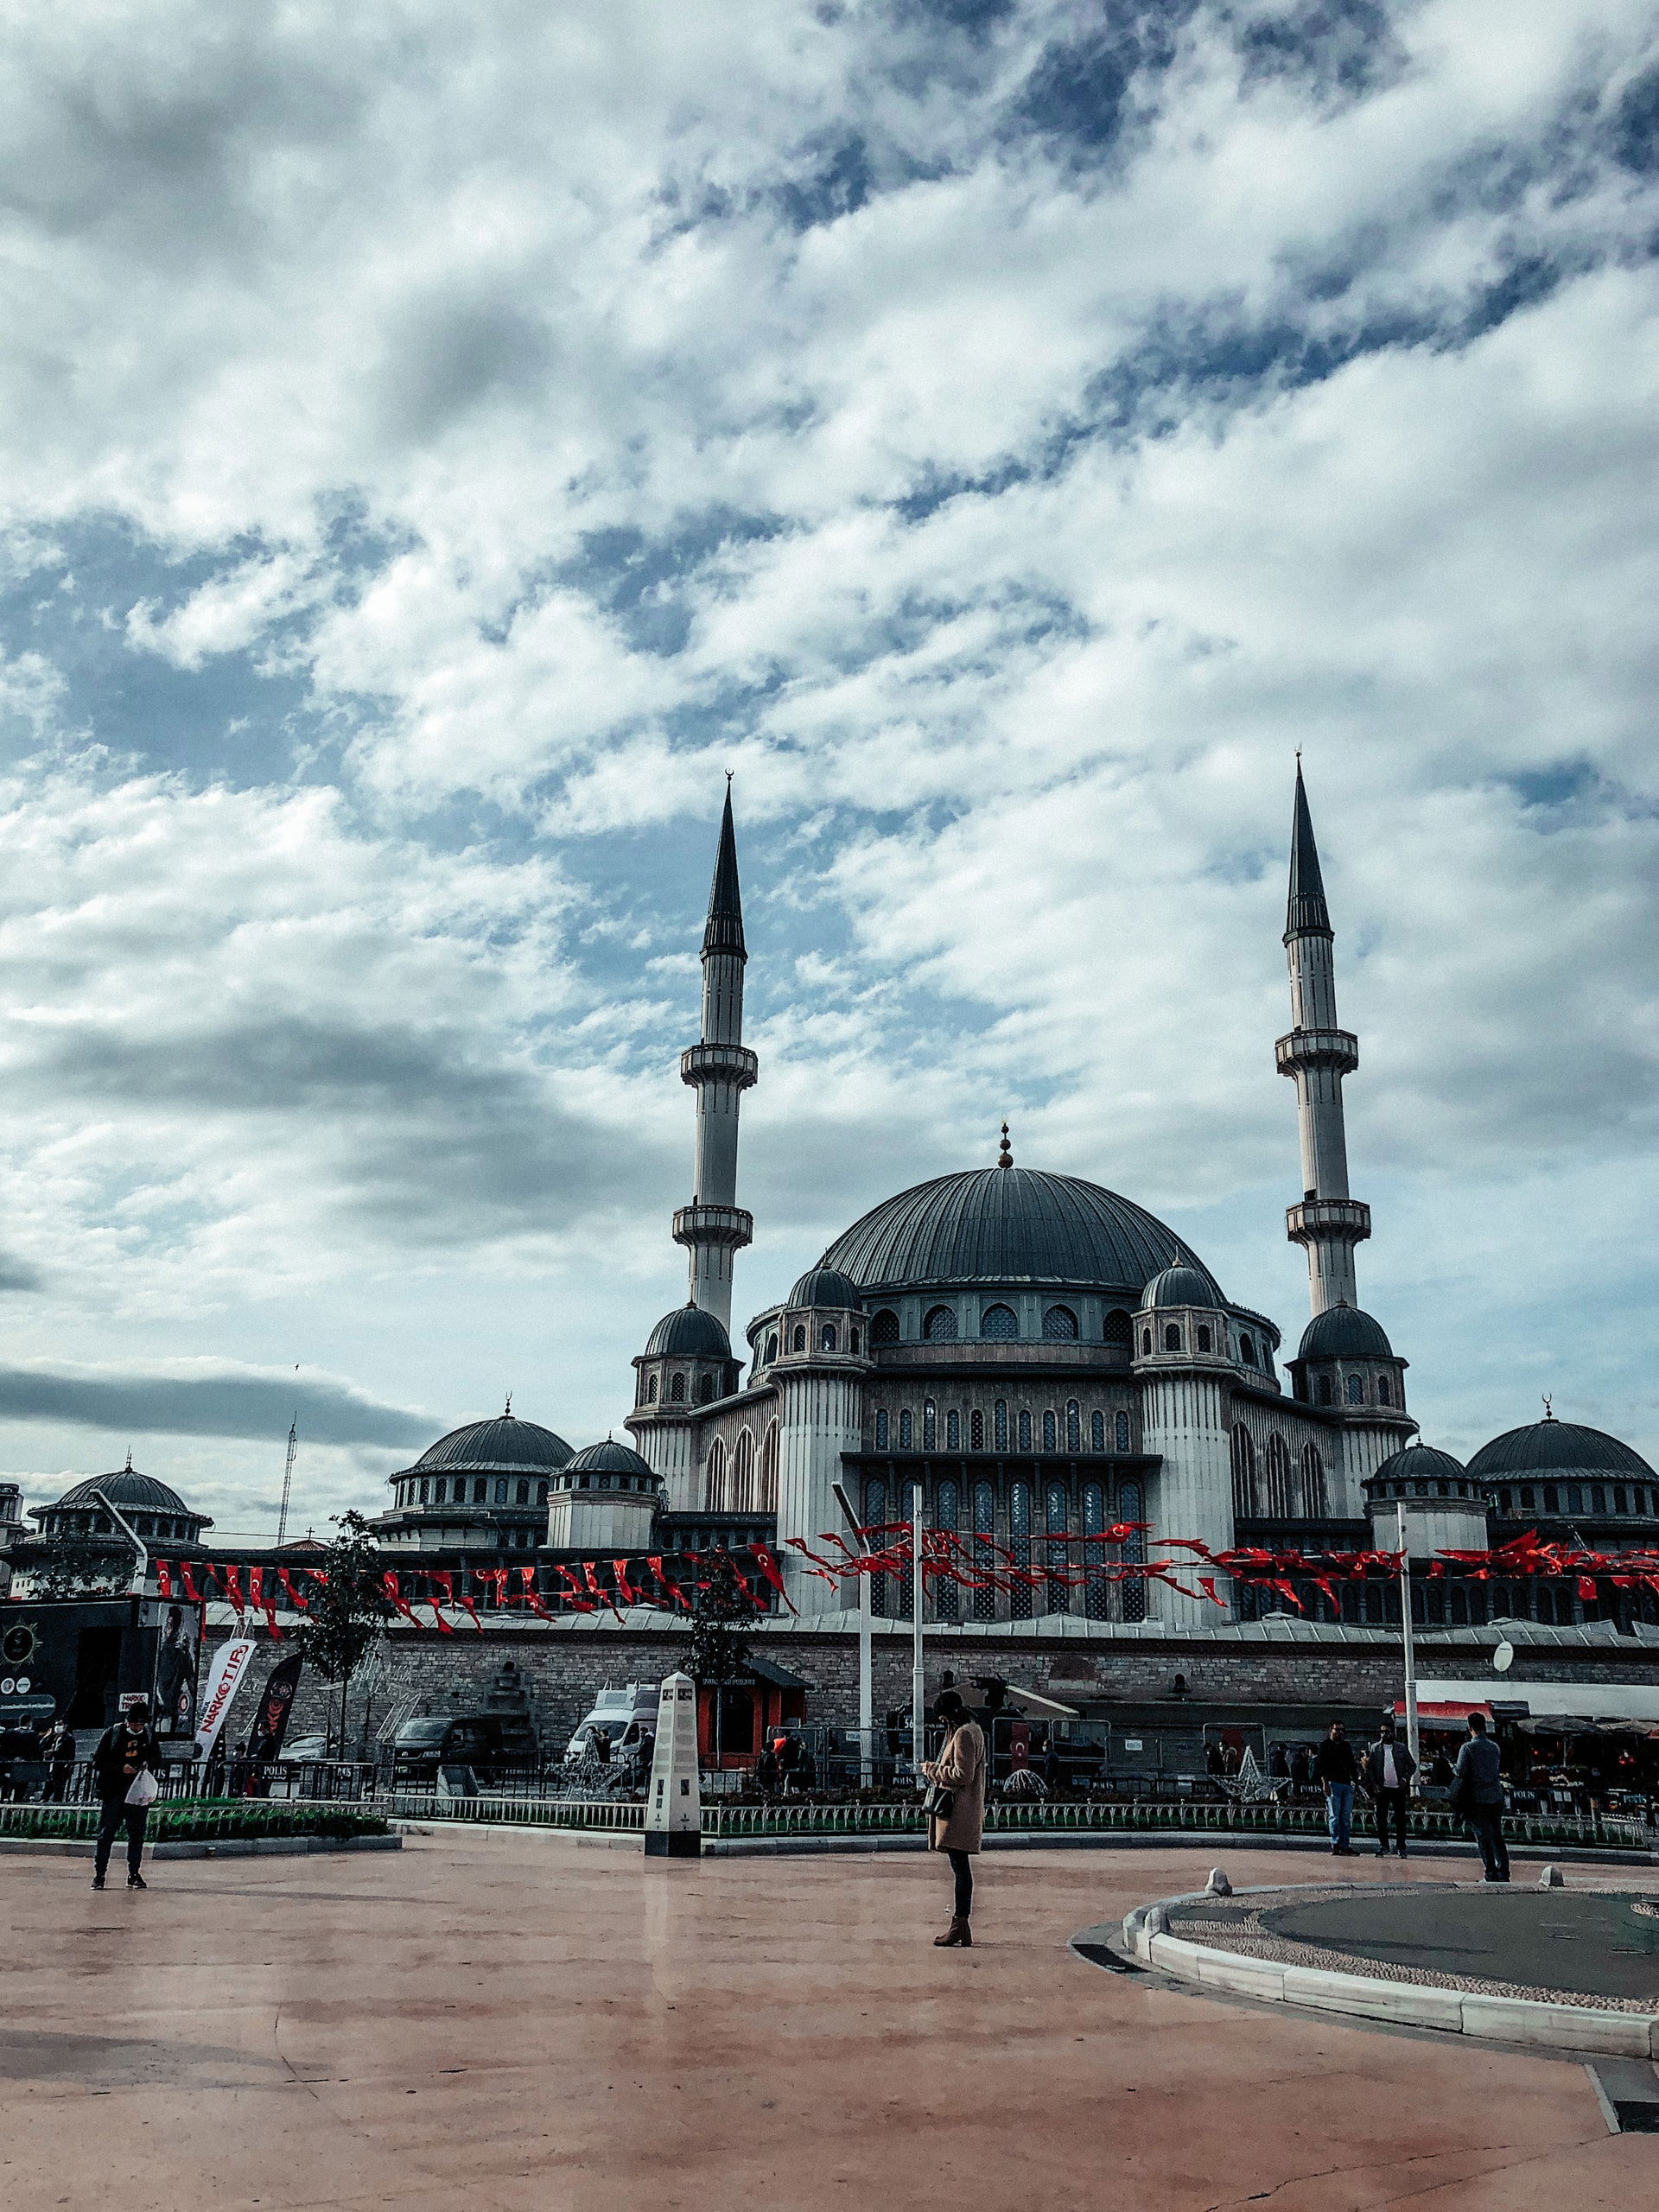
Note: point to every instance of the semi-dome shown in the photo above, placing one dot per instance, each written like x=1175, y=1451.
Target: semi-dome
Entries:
x=606, y=1458
x=996, y=1225
x=1419, y=1463
x=1344, y=1332
x=691, y=1333
x=1180, y=1285
x=126, y=1488
x=1557, y=1448
x=503, y=1446
x=824, y=1286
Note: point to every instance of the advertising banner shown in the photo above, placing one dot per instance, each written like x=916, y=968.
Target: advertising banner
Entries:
x=275, y=1705
x=173, y=1707
x=229, y=1664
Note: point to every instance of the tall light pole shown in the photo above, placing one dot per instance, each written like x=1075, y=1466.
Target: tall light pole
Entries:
x=141, y=1572
x=865, y=1687
x=1405, y=1637
x=918, y=1680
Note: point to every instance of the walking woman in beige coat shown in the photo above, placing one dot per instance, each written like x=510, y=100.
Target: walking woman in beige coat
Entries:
x=960, y=1768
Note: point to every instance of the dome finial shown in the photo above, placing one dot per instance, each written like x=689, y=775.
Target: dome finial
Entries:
x=128, y=1468
x=507, y=1414
x=1549, y=1408
x=1005, y=1152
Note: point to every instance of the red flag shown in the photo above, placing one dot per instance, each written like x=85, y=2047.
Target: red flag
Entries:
x=570, y=1589
x=260, y=1603
x=442, y=1578
x=532, y=1595
x=594, y=1584
x=300, y=1604
x=497, y=1575
x=768, y=1567
x=1587, y=1589
x=1207, y=1584
x=232, y=1587
x=394, y=1591
x=190, y=1589
x=629, y=1595
x=667, y=1581
x=164, y=1578
x=470, y=1609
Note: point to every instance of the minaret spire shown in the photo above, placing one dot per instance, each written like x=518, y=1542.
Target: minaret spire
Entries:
x=1317, y=1055
x=714, y=1228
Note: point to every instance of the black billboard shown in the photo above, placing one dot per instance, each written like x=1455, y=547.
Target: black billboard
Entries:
x=80, y=1660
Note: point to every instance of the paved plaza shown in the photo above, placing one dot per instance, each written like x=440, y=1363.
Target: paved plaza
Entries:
x=526, y=2025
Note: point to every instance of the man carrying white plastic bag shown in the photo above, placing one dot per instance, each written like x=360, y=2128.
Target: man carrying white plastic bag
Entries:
x=123, y=1767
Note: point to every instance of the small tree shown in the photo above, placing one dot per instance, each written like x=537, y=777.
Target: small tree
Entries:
x=347, y=1610
x=80, y=1565
x=719, y=1650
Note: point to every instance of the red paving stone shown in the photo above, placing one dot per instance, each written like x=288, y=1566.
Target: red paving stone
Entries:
x=522, y=2024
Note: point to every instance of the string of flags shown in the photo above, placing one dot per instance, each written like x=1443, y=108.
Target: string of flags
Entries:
x=971, y=1561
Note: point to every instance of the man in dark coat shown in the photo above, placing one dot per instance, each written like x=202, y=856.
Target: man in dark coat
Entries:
x=1337, y=1770
x=1478, y=1795
x=1388, y=1769
x=124, y=1753
x=59, y=1753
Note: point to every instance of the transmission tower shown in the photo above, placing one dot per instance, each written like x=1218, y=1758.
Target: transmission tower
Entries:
x=287, y=1478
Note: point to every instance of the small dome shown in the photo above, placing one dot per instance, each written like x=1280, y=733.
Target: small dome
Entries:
x=691, y=1333
x=1344, y=1332
x=1557, y=1448
x=503, y=1446
x=1179, y=1286
x=128, y=1488
x=824, y=1286
x=609, y=1458
x=1418, y=1463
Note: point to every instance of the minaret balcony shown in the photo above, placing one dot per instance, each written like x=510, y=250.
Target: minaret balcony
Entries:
x=1337, y=1049
x=732, y=1064
x=704, y=1224
x=1332, y=1221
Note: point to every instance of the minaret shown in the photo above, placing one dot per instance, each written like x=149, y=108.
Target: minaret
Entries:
x=714, y=1228
x=1317, y=1054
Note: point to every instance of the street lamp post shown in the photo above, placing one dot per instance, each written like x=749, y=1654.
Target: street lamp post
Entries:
x=917, y=1680
x=866, y=1688
x=1406, y=1638
x=141, y=1572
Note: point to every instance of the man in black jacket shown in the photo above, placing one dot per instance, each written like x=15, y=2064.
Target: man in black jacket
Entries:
x=124, y=1753
x=1337, y=1770
x=1477, y=1793
x=1388, y=1767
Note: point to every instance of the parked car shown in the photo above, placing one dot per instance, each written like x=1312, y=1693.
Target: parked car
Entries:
x=489, y=1743
x=624, y=1713
x=303, y=1749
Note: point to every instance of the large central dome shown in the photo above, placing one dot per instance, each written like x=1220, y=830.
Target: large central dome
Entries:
x=1009, y=1225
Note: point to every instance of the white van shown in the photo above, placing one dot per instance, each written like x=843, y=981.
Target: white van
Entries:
x=625, y=1714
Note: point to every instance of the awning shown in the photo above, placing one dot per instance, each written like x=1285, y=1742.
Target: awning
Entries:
x=768, y=1670
x=1451, y=1711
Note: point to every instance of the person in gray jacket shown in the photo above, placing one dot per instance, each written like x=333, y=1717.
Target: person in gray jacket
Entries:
x=1478, y=1795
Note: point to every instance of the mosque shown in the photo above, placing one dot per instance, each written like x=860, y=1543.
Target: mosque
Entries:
x=1039, y=1355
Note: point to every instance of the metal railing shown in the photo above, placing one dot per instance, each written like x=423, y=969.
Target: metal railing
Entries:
x=619, y=1816
x=197, y=1819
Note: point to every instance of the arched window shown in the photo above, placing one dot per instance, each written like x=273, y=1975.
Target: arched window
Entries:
x=1025, y=1430
x=853, y=1342
x=907, y=1428
x=1051, y=1433
x=798, y=1342
x=439, y=1492
x=1243, y=1454
x=1384, y=1396
x=1172, y=1337
x=881, y=1428
x=651, y=1390
x=940, y=1326
x=1060, y=1325
x=1097, y=1431
x=884, y=1326
x=827, y=1337
x=705, y=1389
x=1281, y=1506
x=1356, y=1390
x=1314, y=1505
x=1073, y=1426
x=426, y=1489
x=1206, y=1343
x=953, y=1431
x=1001, y=1426
x=769, y=1470
x=976, y=1431
x=1118, y=1329
x=1020, y=1545
x=1146, y=1340
x=541, y=1492
x=929, y=1425
x=1059, y=1517
x=771, y=1347
x=521, y=1492
x=1134, y=1552
x=501, y=1491
x=875, y=1512
x=1247, y=1351
x=676, y=1389
x=743, y=1474
x=1094, y=1520
x=1121, y=1426
x=1325, y=1390
x=945, y=1591
x=984, y=1525
x=999, y=1323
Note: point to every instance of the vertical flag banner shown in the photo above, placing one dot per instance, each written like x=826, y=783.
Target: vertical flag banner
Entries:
x=229, y=1663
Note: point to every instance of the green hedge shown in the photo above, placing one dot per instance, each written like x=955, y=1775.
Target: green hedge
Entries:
x=198, y=1819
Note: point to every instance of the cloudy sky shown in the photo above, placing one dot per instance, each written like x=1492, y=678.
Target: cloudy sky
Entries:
x=437, y=443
